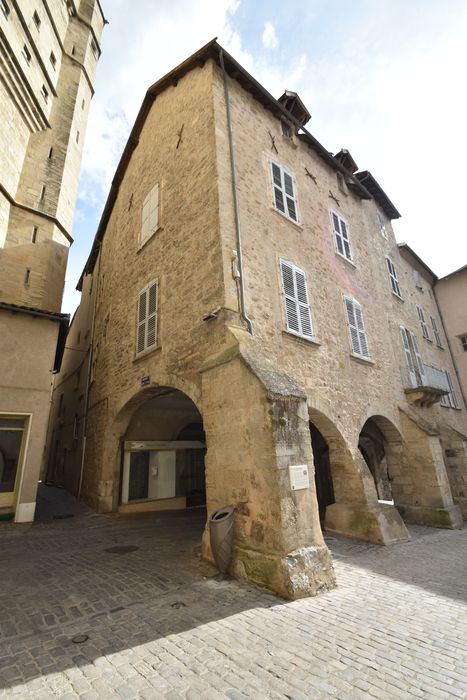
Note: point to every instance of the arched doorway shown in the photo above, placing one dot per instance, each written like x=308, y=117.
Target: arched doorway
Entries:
x=323, y=476
x=163, y=450
x=380, y=444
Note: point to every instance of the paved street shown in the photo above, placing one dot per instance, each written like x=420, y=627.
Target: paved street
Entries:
x=159, y=623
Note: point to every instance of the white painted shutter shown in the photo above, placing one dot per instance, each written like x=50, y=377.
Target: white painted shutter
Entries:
x=345, y=240
x=277, y=187
x=290, y=196
x=408, y=355
x=436, y=332
x=141, y=330
x=306, y=327
x=297, y=307
x=421, y=317
x=150, y=215
x=361, y=330
x=452, y=394
x=151, y=331
x=352, y=321
x=337, y=233
x=341, y=235
x=393, y=277
x=418, y=357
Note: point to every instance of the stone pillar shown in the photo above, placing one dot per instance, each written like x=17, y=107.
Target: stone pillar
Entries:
x=255, y=429
x=454, y=446
x=423, y=491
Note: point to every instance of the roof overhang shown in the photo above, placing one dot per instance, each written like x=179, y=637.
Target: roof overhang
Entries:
x=407, y=249
x=368, y=181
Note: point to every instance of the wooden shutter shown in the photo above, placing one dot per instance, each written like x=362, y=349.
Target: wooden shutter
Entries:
x=146, y=333
x=150, y=215
x=408, y=355
x=418, y=357
x=341, y=235
x=452, y=394
x=393, y=277
x=436, y=332
x=290, y=196
x=361, y=330
x=421, y=317
x=297, y=307
x=277, y=187
x=356, y=325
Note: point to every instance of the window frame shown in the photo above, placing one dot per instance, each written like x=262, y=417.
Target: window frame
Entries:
x=395, y=286
x=343, y=238
x=356, y=307
x=463, y=341
x=295, y=299
x=382, y=226
x=423, y=324
x=285, y=196
x=144, y=322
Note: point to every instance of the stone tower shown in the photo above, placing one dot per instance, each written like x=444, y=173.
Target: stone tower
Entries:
x=48, y=57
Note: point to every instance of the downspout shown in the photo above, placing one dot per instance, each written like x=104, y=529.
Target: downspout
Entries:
x=88, y=379
x=454, y=364
x=243, y=313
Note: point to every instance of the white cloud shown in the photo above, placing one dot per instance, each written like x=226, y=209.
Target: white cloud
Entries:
x=269, y=38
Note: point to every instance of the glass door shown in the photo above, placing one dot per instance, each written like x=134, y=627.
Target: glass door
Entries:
x=12, y=432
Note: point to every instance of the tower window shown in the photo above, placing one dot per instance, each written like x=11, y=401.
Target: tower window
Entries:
x=53, y=60
x=42, y=194
x=45, y=93
x=5, y=8
x=34, y=234
x=83, y=103
x=27, y=274
x=37, y=19
x=77, y=137
x=51, y=152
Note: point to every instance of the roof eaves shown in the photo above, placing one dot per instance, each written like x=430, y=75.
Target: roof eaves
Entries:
x=410, y=251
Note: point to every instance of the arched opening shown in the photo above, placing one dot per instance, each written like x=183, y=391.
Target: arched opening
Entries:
x=381, y=446
x=163, y=450
x=323, y=476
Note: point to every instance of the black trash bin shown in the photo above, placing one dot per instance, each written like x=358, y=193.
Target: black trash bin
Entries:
x=221, y=530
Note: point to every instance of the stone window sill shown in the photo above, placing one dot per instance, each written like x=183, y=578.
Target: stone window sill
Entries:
x=297, y=224
x=301, y=338
x=147, y=352
x=362, y=360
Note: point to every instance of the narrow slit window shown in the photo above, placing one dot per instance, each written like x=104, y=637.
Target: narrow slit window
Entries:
x=37, y=19
x=51, y=152
x=27, y=54
x=77, y=137
x=34, y=234
x=83, y=102
x=5, y=8
x=53, y=60
x=27, y=275
x=42, y=194
x=45, y=93
x=463, y=339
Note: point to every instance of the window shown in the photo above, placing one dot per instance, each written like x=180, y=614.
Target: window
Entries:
x=27, y=54
x=45, y=93
x=413, y=357
x=37, y=20
x=77, y=137
x=418, y=279
x=75, y=427
x=285, y=198
x=27, y=275
x=449, y=400
x=296, y=304
x=421, y=318
x=94, y=47
x=341, y=235
x=146, y=333
x=393, y=277
x=12, y=436
x=53, y=60
x=51, y=152
x=382, y=226
x=34, y=234
x=436, y=332
x=286, y=129
x=5, y=7
x=463, y=339
x=83, y=102
x=357, y=332
x=42, y=194
x=150, y=216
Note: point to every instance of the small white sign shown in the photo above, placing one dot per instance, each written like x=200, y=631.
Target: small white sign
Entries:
x=299, y=478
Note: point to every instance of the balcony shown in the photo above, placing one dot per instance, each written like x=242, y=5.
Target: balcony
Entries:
x=425, y=389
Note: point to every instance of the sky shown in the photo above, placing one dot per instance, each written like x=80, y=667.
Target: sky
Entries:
x=386, y=79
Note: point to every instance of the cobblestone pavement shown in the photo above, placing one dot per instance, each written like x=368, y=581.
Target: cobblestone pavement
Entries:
x=159, y=623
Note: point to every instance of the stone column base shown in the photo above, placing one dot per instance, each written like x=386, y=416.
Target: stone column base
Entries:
x=449, y=517
x=305, y=572
x=379, y=523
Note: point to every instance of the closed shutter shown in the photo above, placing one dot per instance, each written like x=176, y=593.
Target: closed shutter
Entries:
x=418, y=357
x=393, y=277
x=421, y=318
x=356, y=325
x=436, y=332
x=150, y=215
x=297, y=307
x=285, y=198
x=408, y=355
x=452, y=394
x=341, y=235
x=146, y=333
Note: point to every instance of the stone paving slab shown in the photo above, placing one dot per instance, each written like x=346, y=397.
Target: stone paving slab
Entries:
x=160, y=623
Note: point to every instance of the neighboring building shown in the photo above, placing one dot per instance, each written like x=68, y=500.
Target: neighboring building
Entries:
x=245, y=295
x=451, y=293
x=48, y=58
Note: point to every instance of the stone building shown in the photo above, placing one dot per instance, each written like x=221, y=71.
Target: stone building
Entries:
x=451, y=293
x=48, y=57
x=256, y=337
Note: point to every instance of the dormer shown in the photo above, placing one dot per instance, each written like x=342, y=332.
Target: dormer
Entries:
x=293, y=104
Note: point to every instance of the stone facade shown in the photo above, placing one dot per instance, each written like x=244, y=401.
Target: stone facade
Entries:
x=225, y=353
x=48, y=57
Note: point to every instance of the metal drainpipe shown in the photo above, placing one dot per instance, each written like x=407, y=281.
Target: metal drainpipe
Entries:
x=243, y=313
x=88, y=380
x=454, y=364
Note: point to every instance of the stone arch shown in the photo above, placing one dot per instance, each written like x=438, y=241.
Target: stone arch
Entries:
x=153, y=413
x=382, y=447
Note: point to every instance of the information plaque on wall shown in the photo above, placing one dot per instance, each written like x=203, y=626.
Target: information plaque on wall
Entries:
x=299, y=478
